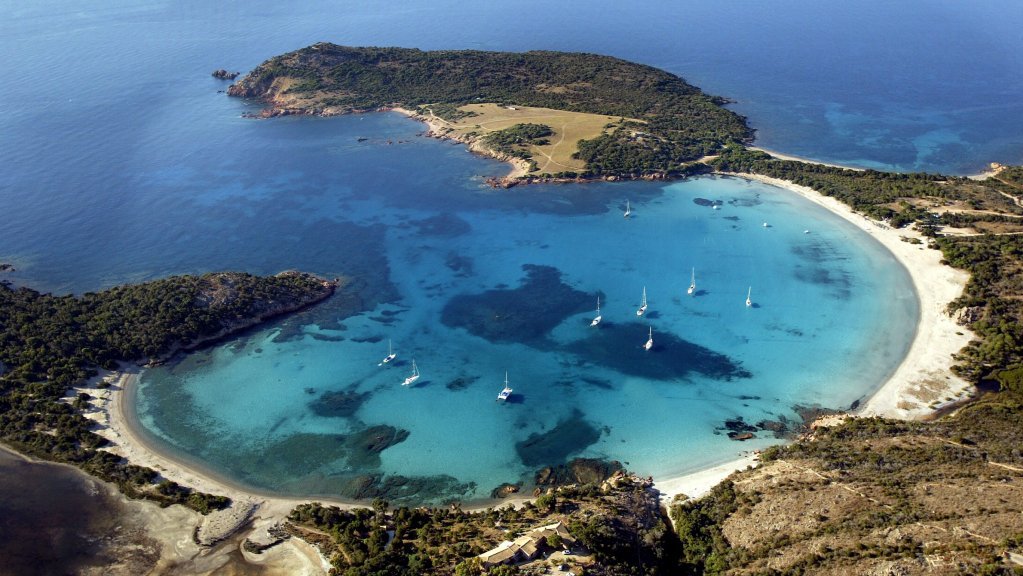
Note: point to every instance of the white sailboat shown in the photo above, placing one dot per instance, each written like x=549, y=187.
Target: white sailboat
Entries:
x=598, y=318
x=412, y=377
x=628, y=209
x=507, y=389
x=692, y=284
x=642, y=306
x=748, y=293
x=650, y=340
x=390, y=354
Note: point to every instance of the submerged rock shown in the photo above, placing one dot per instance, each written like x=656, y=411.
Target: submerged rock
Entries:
x=342, y=404
x=619, y=346
x=567, y=437
x=525, y=314
x=578, y=471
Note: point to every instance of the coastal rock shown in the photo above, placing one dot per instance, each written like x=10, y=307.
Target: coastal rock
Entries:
x=578, y=471
x=218, y=525
x=809, y=414
x=504, y=490
x=780, y=428
x=222, y=74
x=968, y=315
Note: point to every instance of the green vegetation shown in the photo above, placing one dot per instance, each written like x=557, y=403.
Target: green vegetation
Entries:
x=619, y=530
x=880, y=195
x=870, y=492
x=50, y=343
x=992, y=297
x=516, y=140
x=677, y=122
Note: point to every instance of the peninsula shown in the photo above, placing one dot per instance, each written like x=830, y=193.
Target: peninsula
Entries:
x=563, y=115
x=50, y=344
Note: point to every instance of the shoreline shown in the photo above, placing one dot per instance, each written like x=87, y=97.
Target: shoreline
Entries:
x=923, y=382
x=439, y=128
x=918, y=387
x=794, y=158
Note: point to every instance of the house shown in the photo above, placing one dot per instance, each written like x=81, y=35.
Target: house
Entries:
x=529, y=546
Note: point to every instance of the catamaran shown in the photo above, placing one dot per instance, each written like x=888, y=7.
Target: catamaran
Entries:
x=507, y=389
x=390, y=354
x=414, y=376
x=748, y=293
x=628, y=209
x=642, y=306
x=692, y=284
x=650, y=340
x=598, y=318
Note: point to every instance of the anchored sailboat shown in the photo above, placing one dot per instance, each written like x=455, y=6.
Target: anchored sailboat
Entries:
x=390, y=354
x=748, y=293
x=650, y=340
x=692, y=284
x=598, y=318
x=628, y=209
x=414, y=376
x=507, y=389
x=642, y=306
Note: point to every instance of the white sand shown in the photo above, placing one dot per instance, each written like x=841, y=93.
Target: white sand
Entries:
x=109, y=413
x=781, y=156
x=698, y=484
x=919, y=386
x=924, y=381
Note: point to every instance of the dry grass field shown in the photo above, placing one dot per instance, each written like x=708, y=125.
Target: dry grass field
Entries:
x=569, y=128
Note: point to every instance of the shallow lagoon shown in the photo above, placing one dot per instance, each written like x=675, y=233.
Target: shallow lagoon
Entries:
x=473, y=282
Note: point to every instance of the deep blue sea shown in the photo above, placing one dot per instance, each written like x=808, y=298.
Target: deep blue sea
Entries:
x=123, y=162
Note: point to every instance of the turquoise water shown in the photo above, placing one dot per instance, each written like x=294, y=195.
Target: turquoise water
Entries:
x=123, y=163
x=485, y=288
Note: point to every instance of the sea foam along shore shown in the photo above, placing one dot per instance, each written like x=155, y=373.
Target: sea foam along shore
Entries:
x=923, y=382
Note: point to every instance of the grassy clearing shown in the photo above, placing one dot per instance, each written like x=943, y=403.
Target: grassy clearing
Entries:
x=569, y=128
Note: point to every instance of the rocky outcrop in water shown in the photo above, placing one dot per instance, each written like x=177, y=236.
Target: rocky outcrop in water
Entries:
x=222, y=74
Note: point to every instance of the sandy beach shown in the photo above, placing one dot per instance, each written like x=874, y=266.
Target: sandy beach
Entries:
x=250, y=512
x=920, y=385
x=781, y=156
x=923, y=382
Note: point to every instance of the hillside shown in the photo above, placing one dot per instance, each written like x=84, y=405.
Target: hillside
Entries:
x=672, y=122
x=50, y=343
x=872, y=496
